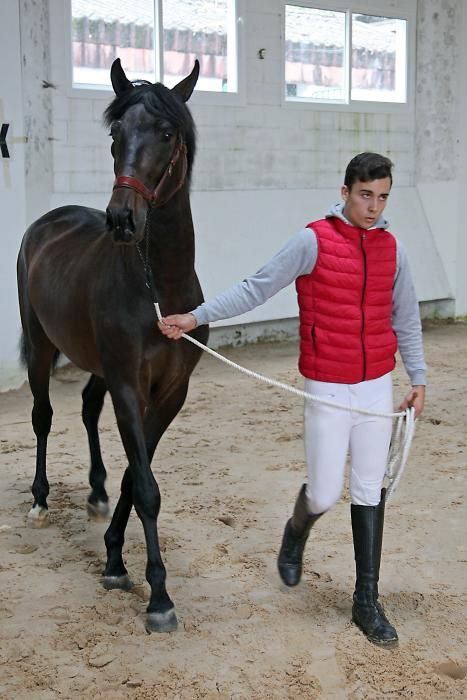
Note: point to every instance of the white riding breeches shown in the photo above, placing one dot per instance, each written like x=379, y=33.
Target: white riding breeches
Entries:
x=330, y=433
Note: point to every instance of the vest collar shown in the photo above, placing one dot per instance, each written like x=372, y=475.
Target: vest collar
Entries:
x=351, y=232
x=337, y=210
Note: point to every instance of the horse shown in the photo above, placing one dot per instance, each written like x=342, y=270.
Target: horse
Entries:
x=87, y=284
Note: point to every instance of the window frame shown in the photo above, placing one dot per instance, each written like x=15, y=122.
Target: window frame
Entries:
x=201, y=97
x=398, y=10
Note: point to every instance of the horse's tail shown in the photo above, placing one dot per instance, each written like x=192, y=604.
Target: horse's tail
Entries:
x=25, y=353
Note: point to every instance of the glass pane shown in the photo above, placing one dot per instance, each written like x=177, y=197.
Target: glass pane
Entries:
x=103, y=31
x=379, y=54
x=314, y=54
x=202, y=29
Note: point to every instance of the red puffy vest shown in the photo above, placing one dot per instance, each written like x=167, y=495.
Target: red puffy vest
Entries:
x=345, y=303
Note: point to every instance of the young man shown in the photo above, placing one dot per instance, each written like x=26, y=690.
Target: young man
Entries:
x=357, y=305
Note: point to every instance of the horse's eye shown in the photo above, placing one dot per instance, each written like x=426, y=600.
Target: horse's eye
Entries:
x=167, y=135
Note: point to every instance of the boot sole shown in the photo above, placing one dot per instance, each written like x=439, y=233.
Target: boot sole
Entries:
x=385, y=644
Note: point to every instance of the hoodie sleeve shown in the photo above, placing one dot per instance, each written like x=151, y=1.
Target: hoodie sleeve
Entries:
x=297, y=257
x=406, y=320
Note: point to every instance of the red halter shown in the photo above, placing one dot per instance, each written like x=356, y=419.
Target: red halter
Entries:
x=156, y=197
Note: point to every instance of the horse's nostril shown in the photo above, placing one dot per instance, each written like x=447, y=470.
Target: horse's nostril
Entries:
x=109, y=220
x=130, y=220
x=120, y=223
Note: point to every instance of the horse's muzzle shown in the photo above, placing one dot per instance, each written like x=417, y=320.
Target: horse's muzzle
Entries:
x=122, y=226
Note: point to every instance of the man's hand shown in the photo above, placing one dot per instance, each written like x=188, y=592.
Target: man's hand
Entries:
x=415, y=398
x=174, y=326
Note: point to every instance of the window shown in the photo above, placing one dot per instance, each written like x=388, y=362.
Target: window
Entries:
x=338, y=56
x=155, y=40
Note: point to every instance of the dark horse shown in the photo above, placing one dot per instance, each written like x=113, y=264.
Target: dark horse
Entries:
x=87, y=281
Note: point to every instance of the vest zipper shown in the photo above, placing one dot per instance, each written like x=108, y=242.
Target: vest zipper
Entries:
x=363, y=298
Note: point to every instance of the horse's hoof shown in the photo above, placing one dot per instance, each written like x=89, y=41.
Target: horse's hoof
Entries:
x=161, y=622
x=98, y=511
x=38, y=516
x=124, y=583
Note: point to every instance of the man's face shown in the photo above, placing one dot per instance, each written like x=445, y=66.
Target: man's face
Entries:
x=365, y=201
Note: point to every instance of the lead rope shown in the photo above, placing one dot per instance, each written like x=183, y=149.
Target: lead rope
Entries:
x=403, y=430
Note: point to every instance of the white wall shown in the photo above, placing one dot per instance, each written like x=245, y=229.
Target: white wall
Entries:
x=12, y=191
x=237, y=232
x=34, y=41
x=264, y=168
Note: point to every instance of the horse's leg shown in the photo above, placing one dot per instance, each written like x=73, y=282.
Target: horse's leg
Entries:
x=160, y=414
x=40, y=354
x=139, y=488
x=115, y=573
x=93, y=401
x=146, y=498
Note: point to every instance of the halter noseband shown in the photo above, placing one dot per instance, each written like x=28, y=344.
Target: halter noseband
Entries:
x=155, y=197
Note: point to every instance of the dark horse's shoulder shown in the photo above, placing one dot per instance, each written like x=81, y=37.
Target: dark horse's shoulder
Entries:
x=72, y=221
x=72, y=213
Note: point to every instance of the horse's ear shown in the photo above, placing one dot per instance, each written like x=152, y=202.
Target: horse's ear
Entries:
x=187, y=85
x=120, y=82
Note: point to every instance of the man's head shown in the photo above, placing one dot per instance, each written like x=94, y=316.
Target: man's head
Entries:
x=367, y=166
x=367, y=183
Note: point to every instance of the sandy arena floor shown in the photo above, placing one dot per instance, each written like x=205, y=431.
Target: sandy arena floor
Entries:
x=229, y=469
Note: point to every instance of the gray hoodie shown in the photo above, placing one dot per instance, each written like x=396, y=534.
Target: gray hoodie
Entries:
x=298, y=257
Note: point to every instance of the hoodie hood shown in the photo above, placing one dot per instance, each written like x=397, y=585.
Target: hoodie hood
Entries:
x=337, y=211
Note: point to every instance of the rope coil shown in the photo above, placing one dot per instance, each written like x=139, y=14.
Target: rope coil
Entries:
x=403, y=430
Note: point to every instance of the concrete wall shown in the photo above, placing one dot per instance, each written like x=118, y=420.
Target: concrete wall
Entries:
x=461, y=183
x=272, y=166
x=440, y=140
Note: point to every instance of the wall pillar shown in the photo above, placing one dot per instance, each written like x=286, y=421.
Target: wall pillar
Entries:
x=461, y=260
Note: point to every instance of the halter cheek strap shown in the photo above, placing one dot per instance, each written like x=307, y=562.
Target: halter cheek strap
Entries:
x=167, y=186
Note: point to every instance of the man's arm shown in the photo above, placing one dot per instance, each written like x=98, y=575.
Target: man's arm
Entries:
x=297, y=257
x=408, y=328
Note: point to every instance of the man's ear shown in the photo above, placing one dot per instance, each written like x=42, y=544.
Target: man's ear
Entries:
x=345, y=192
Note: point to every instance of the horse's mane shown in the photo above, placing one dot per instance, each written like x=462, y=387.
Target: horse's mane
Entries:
x=163, y=103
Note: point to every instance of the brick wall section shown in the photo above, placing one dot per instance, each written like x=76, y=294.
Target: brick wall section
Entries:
x=258, y=144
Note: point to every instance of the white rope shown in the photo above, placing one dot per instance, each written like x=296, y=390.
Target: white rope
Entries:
x=403, y=431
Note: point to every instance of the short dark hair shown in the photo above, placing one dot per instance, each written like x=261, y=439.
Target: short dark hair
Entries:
x=367, y=166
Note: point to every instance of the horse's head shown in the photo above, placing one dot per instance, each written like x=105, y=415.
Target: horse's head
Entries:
x=153, y=142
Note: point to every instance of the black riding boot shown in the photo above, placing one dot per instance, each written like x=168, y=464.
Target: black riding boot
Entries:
x=296, y=533
x=367, y=612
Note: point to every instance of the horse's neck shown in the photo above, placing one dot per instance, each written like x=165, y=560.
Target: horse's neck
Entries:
x=172, y=240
